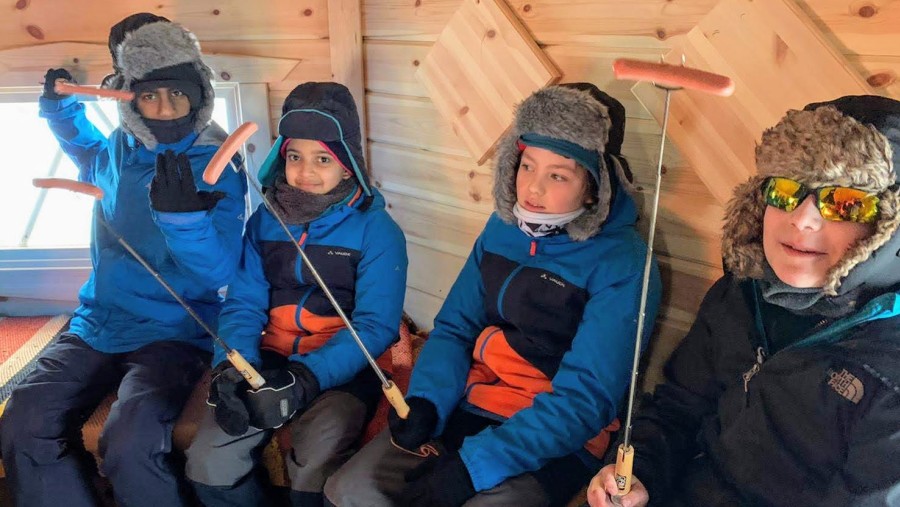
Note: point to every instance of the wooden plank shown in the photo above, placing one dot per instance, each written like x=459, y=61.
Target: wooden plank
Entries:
x=312, y=57
x=391, y=67
x=43, y=22
x=881, y=72
x=89, y=63
x=437, y=226
x=345, y=37
x=637, y=23
x=411, y=122
x=445, y=179
x=858, y=27
x=432, y=271
x=421, y=308
x=792, y=66
x=481, y=66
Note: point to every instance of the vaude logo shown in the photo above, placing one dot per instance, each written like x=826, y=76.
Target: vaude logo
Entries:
x=545, y=276
x=343, y=254
x=846, y=384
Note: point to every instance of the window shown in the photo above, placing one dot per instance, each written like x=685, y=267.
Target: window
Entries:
x=44, y=235
x=36, y=218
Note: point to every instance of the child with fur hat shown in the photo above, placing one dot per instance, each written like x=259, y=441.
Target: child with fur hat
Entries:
x=318, y=380
x=129, y=334
x=785, y=390
x=529, y=358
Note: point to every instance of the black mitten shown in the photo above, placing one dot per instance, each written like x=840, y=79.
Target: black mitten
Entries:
x=50, y=82
x=417, y=428
x=225, y=393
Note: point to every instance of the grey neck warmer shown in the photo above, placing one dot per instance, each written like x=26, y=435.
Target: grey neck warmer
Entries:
x=811, y=301
x=298, y=206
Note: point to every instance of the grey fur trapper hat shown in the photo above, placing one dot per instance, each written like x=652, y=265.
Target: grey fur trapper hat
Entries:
x=159, y=51
x=575, y=120
x=852, y=141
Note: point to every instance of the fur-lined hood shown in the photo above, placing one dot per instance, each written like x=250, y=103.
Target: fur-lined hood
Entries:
x=151, y=47
x=576, y=113
x=825, y=145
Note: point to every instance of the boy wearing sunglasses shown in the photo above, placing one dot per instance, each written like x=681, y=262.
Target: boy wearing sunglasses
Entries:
x=786, y=390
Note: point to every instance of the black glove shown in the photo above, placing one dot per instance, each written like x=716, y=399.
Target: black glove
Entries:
x=417, y=428
x=440, y=482
x=173, y=188
x=225, y=394
x=50, y=82
x=306, y=387
x=286, y=392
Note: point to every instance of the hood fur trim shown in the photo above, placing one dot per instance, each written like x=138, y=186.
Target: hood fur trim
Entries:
x=817, y=148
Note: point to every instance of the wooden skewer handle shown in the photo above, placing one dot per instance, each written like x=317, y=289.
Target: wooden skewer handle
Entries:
x=395, y=398
x=247, y=370
x=624, y=466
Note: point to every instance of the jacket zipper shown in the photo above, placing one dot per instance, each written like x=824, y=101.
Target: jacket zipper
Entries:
x=749, y=374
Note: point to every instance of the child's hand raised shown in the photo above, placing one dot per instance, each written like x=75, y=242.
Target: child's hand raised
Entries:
x=173, y=189
x=602, y=492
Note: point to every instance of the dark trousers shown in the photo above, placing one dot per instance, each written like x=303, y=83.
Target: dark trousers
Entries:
x=40, y=432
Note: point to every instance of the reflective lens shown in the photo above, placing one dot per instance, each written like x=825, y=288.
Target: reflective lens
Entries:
x=848, y=205
x=837, y=204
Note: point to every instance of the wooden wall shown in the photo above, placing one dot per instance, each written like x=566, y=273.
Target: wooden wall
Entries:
x=442, y=198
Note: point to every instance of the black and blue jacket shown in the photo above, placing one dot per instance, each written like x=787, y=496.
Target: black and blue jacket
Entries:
x=275, y=304
x=539, y=334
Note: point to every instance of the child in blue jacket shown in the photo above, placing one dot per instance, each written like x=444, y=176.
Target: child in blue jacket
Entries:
x=319, y=381
x=129, y=333
x=529, y=358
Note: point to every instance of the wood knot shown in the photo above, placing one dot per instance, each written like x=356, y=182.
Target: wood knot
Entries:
x=225, y=76
x=216, y=12
x=475, y=196
x=307, y=12
x=418, y=3
x=471, y=175
x=415, y=63
x=251, y=147
x=881, y=79
x=491, y=33
x=867, y=11
x=526, y=8
x=463, y=110
x=35, y=32
x=661, y=34
x=21, y=4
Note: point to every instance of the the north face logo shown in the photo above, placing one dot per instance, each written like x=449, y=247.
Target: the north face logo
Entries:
x=544, y=276
x=846, y=384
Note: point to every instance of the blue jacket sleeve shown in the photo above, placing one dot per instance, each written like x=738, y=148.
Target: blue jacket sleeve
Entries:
x=77, y=136
x=207, y=245
x=245, y=312
x=380, y=290
x=586, y=389
x=442, y=368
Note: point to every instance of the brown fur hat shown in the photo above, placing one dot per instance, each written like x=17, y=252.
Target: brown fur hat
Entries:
x=852, y=141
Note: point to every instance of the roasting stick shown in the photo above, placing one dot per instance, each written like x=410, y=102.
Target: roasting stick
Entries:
x=670, y=78
x=211, y=175
x=234, y=357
